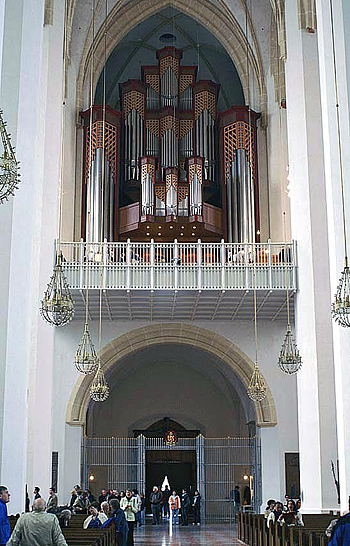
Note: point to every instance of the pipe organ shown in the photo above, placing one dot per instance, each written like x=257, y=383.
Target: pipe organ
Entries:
x=100, y=174
x=238, y=127
x=177, y=161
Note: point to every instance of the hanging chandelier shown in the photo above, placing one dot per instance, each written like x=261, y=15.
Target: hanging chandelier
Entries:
x=99, y=390
x=257, y=389
x=9, y=166
x=86, y=360
x=289, y=360
x=341, y=303
x=57, y=306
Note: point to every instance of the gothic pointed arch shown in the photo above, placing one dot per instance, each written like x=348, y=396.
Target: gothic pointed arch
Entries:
x=122, y=18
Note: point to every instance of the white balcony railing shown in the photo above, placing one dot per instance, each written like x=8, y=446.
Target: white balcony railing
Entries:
x=180, y=266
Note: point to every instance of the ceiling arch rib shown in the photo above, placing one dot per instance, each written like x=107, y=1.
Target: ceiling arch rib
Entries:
x=123, y=18
x=199, y=47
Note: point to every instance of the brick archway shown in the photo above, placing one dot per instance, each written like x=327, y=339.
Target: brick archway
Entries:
x=172, y=333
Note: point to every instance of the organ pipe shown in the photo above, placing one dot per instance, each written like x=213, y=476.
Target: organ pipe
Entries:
x=205, y=139
x=100, y=201
x=240, y=200
x=134, y=147
x=195, y=167
x=171, y=183
x=148, y=170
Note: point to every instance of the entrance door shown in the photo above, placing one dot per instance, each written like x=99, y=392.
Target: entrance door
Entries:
x=179, y=466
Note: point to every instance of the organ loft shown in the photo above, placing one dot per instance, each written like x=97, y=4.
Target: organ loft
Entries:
x=169, y=165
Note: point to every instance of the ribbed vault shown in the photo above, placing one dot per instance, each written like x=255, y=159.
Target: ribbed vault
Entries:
x=124, y=17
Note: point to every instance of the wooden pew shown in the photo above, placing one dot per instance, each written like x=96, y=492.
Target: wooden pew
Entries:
x=252, y=531
x=75, y=535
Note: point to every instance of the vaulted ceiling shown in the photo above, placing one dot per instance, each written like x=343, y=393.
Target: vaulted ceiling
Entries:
x=199, y=47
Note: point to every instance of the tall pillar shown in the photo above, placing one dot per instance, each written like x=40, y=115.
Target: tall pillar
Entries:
x=316, y=406
x=11, y=14
x=26, y=449
x=341, y=336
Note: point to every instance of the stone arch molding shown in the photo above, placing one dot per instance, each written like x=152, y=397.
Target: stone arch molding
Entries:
x=124, y=17
x=171, y=333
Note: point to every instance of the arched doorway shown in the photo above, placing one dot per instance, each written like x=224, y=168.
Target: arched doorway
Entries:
x=198, y=381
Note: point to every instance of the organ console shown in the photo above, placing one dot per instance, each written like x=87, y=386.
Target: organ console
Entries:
x=170, y=159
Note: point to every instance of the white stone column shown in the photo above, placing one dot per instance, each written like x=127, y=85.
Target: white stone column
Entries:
x=316, y=406
x=26, y=453
x=10, y=59
x=272, y=486
x=341, y=336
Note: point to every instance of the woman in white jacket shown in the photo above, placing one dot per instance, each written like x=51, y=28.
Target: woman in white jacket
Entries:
x=129, y=505
x=95, y=519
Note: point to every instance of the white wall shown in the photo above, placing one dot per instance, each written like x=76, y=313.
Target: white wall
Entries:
x=285, y=437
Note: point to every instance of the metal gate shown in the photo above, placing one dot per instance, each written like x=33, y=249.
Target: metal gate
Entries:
x=221, y=464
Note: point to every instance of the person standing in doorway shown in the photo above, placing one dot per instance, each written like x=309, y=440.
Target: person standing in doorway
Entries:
x=166, y=496
x=236, y=502
x=156, y=501
x=5, y=531
x=143, y=510
x=175, y=505
x=197, y=508
x=185, y=506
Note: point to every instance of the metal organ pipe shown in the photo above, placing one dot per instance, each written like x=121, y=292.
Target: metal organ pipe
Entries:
x=147, y=195
x=100, y=218
x=242, y=221
x=230, y=209
x=195, y=196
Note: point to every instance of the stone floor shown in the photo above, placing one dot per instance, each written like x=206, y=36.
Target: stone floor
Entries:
x=209, y=535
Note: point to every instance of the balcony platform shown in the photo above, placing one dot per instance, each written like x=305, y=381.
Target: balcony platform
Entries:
x=181, y=281
x=167, y=305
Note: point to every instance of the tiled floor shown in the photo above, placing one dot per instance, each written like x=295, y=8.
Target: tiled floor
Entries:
x=208, y=535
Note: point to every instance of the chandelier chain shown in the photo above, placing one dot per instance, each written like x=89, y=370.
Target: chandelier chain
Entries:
x=339, y=132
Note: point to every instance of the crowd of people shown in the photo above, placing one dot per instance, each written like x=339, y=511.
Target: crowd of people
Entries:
x=42, y=524
x=125, y=509
x=288, y=513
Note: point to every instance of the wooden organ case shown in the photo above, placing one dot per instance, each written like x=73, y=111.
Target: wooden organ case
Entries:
x=179, y=168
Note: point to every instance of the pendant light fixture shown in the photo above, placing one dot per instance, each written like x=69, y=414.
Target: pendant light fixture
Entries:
x=289, y=360
x=57, y=306
x=257, y=389
x=99, y=390
x=9, y=166
x=341, y=303
x=85, y=360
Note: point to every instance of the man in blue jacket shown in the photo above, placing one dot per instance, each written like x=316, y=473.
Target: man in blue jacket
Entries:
x=341, y=533
x=5, y=531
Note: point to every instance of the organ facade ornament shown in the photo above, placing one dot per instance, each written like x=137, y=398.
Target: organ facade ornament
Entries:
x=171, y=158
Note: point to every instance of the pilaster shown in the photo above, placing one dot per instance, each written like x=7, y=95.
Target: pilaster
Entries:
x=341, y=336
x=316, y=405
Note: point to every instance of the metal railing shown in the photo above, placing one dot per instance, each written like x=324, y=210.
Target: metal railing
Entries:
x=180, y=266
